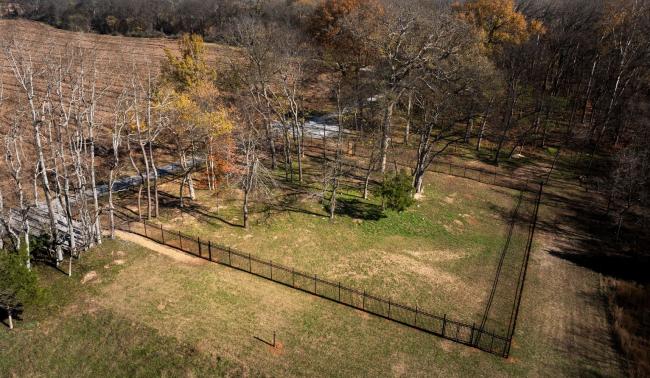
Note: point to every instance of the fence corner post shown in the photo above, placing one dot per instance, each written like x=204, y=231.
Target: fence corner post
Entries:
x=210, y=249
x=444, y=324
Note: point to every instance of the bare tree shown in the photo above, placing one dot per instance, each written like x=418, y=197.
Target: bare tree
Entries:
x=120, y=121
x=255, y=179
x=25, y=73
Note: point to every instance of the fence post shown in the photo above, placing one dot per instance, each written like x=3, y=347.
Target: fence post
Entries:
x=339, y=291
x=180, y=240
x=389, y=309
x=210, y=250
x=162, y=234
x=229, y=257
x=271, y=262
x=198, y=241
x=250, y=265
x=471, y=337
x=444, y=324
x=363, y=304
x=293, y=277
x=416, y=315
x=506, y=349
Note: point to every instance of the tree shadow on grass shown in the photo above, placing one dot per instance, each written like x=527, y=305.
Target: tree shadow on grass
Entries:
x=357, y=209
x=192, y=208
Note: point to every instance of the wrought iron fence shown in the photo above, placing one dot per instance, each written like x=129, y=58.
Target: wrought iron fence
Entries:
x=437, y=324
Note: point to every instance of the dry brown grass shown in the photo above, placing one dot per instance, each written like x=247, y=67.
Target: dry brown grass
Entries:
x=629, y=306
x=114, y=54
x=116, y=58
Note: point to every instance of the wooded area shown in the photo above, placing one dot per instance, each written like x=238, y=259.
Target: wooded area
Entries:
x=508, y=80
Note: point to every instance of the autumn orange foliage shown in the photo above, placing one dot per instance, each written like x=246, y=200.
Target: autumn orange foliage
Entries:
x=498, y=21
x=328, y=23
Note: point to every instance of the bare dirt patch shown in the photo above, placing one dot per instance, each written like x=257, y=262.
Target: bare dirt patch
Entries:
x=278, y=349
x=88, y=277
x=433, y=274
x=169, y=252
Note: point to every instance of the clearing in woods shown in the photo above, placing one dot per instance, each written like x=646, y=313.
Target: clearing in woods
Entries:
x=185, y=316
x=171, y=314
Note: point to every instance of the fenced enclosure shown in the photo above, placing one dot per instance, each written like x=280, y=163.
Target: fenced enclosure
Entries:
x=482, y=335
x=320, y=150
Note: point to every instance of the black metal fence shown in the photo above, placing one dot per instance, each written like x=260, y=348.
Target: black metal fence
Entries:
x=438, y=324
x=486, y=176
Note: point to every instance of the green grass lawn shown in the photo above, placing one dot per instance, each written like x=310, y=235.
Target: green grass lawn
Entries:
x=440, y=255
x=204, y=320
x=69, y=332
x=146, y=314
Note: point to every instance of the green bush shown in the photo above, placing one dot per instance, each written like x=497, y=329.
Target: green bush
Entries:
x=18, y=285
x=397, y=191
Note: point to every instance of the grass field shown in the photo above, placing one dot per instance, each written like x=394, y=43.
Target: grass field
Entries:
x=148, y=314
x=440, y=255
x=142, y=312
x=202, y=319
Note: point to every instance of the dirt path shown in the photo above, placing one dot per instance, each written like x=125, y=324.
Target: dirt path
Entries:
x=572, y=313
x=163, y=250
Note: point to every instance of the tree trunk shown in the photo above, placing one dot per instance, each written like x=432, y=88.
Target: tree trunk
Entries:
x=385, y=137
x=245, y=209
x=589, y=86
x=507, y=123
x=46, y=191
x=300, y=154
x=70, y=265
x=366, y=181
x=147, y=171
x=335, y=185
x=271, y=141
x=155, y=179
x=93, y=183
x=483, y=124
x=190, y=186
x=419, y=180
x=180, y=191
x=409, y=118
x=111, y=207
